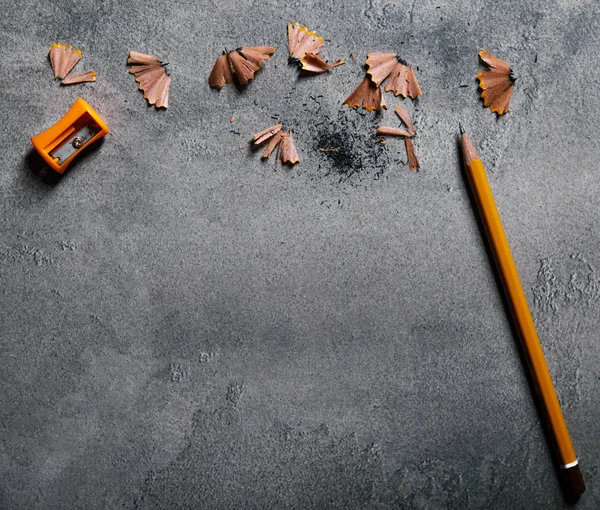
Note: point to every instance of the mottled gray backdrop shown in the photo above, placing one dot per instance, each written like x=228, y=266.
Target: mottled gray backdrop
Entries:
x=184, y=325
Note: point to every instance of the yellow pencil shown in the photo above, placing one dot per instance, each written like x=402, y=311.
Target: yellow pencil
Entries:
x=536, y=363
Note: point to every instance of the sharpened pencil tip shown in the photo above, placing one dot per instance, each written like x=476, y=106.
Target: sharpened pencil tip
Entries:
x=462, y=131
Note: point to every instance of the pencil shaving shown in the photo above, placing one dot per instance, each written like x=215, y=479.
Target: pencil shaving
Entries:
x=280, y=139
x=407, y=134
x=266, y=134
x=152, y=77
x=301, y=41
x=413, y=162
x=243, y=68
x=304, y=47
x=496, y=83
x=367, y=95
x=401, y=112
x=410, y=130
x=63, y=59
x=392, y=131
x=79, y=78
x=272, y=145
x=288, y=149
x=312, y=63
x=401, y=79
x=221, y=72
x=240, y=64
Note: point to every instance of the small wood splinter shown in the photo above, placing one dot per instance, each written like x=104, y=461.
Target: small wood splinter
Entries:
x=496, y=84
x=80, y=78
x=241, y=63
x=413, y=162
x=286, y=153
x=304, y=48
x=407, y=134
x=152, y=76
x=401, y=79
x=367, y=95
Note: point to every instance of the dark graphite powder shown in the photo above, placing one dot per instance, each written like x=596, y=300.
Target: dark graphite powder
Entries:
x=347, y=147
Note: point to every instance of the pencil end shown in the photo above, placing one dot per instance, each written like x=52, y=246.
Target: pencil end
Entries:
x=573, y=484
x=460, y=128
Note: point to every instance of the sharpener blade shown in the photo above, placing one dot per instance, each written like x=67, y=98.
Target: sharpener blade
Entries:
x=75, y=142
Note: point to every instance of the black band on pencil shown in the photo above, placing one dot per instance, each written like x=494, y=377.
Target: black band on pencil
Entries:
x=572, y=480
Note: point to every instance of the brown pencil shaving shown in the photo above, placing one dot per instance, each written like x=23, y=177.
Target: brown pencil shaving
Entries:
x=380, y=65
x=80, y=78
x=287, y=150
x=407, y=134
x=494, y=62
x=272, y=145
x=410, y=130
x=290, y=154
x=402, y=113
x=244, y=69
x=280, y=139
x=497, y=83
x=152, y=77
x=312, y=63
x=257, y=53
x=392, y=131
x=301, y=41
x=304, y=48
x=367, y=95
x=241, y=63
x=403, y=82
x=401, y=79
x=413, y=162
x=63, y=59
x=142, y=59
x=266, y=134
x=221, y=72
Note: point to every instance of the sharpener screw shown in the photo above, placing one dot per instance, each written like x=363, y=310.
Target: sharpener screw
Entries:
x=77, y=142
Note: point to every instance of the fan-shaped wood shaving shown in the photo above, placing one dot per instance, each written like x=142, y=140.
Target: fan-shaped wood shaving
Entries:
x=301, y=41
x=241, y=64
x=401, y=79
x=497, y=83
x=280, y=139
x=367, y=95
x=152, y=77
x=62, y=59
x=304, y=48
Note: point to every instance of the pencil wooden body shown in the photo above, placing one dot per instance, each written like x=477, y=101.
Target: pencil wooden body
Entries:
x=522, y=318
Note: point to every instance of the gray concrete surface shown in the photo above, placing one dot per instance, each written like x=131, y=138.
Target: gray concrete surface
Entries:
x=186, y=326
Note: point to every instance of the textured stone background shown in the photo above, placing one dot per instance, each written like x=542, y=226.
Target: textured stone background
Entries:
x=186, y=326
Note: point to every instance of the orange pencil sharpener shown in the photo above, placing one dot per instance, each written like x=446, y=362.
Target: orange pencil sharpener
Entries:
x=78, y=129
